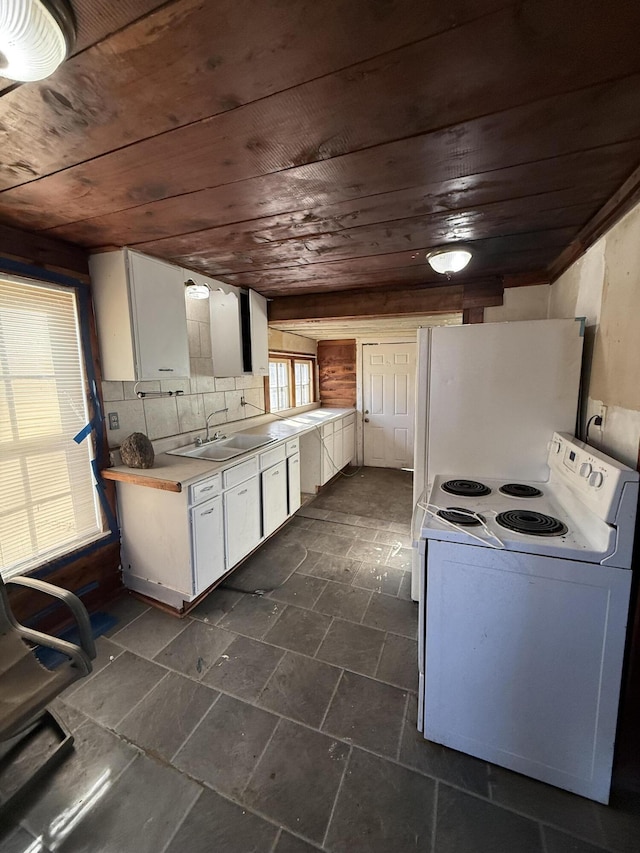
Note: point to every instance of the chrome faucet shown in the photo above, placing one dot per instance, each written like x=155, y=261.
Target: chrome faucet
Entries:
x=217, y=434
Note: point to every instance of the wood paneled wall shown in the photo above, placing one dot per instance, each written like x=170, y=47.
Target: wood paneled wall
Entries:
x=337, y=373
x=93, y=572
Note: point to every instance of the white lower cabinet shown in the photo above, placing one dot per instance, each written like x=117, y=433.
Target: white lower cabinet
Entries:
x=207, y=538
x=328, y=467
x=293, y=483
x=338, y=448
x=274, y=497
x=348, y=442
x=241, y=520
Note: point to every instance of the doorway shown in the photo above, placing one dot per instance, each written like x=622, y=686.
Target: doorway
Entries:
x=388, y=396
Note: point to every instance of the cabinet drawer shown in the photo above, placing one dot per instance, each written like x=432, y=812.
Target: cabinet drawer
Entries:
x=272, y=457
x=348, y=420
x=293, y=446
x=205, y=489
x=327, y=429
x=239, y=473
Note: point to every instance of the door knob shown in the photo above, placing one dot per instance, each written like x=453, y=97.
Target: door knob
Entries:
x=366, y=420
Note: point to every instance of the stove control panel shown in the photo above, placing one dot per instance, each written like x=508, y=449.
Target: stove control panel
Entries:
x=587, y=472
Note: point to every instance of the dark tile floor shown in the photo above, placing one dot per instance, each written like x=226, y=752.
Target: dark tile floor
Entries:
x=285, y=723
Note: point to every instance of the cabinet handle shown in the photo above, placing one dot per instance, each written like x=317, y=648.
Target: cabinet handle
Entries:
x=207, y=511
x=243, y=492
x=206, y=488
x=165, y=370
x=275, y=473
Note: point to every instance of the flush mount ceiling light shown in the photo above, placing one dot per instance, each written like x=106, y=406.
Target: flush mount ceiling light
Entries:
x=36, y=36
x=448, y=260
x=196, y=291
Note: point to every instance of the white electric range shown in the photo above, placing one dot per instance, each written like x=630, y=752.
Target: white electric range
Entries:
x=523, y=609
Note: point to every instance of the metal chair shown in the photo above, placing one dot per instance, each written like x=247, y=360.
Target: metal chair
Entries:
x=27, y=687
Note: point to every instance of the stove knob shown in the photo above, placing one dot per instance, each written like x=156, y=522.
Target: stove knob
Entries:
x=596, y=479
x=585, y=469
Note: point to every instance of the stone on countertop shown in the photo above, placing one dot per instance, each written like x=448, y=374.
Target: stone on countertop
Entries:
x=136, y=451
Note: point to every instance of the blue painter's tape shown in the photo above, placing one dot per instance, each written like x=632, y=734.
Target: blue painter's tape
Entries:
x=84, y=432
x=583, y=325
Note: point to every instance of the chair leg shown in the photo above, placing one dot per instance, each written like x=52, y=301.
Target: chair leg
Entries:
x=48, y=719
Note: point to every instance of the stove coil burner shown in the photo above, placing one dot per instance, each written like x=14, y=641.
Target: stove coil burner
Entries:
x=520, y=490
x=531, y=523
x=458, y=515
x=466, y=488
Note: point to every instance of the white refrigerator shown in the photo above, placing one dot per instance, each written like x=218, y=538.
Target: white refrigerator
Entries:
x=489, y=397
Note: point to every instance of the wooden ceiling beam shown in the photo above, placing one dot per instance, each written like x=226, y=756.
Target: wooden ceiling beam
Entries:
x=42, y=251
x=445, y=299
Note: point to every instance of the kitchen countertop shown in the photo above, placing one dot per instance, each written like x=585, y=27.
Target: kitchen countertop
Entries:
x=171, y=473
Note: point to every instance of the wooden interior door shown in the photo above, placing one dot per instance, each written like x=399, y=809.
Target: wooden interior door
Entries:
x=388, y=378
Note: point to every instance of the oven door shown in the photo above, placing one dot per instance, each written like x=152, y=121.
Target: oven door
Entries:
x=523, y=658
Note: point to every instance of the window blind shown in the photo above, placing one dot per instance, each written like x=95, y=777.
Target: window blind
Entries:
x=48, y=502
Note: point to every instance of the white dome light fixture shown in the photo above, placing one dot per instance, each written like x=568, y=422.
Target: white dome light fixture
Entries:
x=449, y=259
x=196, y=291
x=36, y=36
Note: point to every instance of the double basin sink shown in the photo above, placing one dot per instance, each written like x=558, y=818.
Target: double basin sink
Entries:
x=223, y=448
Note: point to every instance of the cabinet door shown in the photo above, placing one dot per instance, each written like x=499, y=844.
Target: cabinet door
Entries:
x=241, y=520
x=274, y=497
x=293, y=482
x=259, y=334
x=328, y=468
x=226, y=333
x=159, y=318
x=338, y=451
x=348, y=443
x=208, y=544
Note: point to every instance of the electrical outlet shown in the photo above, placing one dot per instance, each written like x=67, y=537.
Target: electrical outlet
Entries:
x=603, y=416
x=114, y=421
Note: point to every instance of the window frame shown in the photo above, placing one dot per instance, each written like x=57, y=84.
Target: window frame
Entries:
x=19, y=272
x=290, y=360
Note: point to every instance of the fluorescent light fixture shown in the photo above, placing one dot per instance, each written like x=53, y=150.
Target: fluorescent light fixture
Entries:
x=196, y=291
x=36, y=36
x=447, y=261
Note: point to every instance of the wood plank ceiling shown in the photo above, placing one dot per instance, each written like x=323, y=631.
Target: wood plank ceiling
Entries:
x=298, y=146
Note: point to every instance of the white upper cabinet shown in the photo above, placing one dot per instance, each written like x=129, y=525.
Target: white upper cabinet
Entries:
x=226, y=333
x=259, y=334
x=140, y=316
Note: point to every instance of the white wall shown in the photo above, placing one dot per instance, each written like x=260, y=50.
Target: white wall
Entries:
x=604, y=287
x=521, y=303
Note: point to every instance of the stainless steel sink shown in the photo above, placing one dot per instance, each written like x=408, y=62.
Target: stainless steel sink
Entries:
x=223, y=448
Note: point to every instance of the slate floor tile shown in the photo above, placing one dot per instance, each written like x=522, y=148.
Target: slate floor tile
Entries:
x=344, y=601
x=331, y=568
x=343, y=517
x=300, y=688
x=124, y=610
x=166, y=717
x=620, y=821
x=215, y=824
x=299, y=630
x=335, y=527
x=393, y=614
x=244, y=668
x=225, y=747
x=464, y=822
x=367, y=713
x=311, y=512
x=383, y=808
x=329, y=543
x=378, y=578
x=301, y=590
x=286, y=844
x=560, y=842
x=216, y=605
x=370, y=552
x=456, y=768
x=543, y=802
x=296, y=780
x=139, y=812
x=195, y=649
x=390, y=537
x=272, y=564
x=150, y=632
x=399, y=662
x=97, y=754
x=253, y=616
x=400, y=558
x=355, y=647
x=405, y=587
x=117, y=688
x=18, y=841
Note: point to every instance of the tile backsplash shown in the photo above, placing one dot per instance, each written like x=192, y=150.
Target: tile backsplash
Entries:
x=161, y=417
